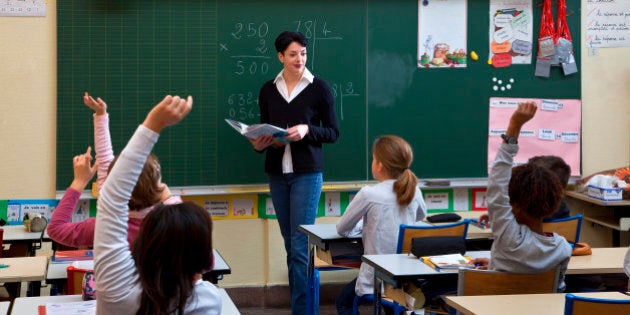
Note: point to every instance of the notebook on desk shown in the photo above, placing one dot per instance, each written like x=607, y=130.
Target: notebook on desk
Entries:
x=68, y=308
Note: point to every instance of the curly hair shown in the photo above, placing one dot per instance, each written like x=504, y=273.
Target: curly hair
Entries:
x=535, y=189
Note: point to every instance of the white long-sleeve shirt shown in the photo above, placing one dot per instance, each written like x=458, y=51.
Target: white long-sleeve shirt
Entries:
x=382, y=217
x=117, y=282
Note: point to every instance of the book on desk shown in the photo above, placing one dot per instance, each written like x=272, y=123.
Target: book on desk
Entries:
x=450, y=261
x=64, y=256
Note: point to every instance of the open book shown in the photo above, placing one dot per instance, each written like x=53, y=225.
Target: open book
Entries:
x=257, y=130
x=451, y=261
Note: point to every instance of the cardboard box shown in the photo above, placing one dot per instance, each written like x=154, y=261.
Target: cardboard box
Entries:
x=606, y=194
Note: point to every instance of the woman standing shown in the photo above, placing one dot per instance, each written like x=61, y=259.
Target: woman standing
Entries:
x=304, y=105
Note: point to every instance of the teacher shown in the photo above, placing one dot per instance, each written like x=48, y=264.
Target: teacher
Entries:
x=304, y=105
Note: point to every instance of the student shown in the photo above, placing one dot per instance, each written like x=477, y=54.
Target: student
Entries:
x=561, y=169
x=518, y=200
x=395, y=200
x=303, y=104
x=162, y=274
x=144, y=197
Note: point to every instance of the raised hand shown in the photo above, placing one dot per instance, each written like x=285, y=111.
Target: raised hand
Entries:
x=83, y=170
x=98, y=105
x=170, y=111
x=523, y=113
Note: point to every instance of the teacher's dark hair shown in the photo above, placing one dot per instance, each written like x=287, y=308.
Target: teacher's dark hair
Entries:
x=173, y=246
x=286, y=38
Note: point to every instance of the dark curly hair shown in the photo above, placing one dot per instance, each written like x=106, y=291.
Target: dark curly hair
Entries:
x=535, y=190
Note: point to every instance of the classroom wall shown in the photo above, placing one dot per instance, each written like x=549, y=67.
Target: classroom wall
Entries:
x=252, y=247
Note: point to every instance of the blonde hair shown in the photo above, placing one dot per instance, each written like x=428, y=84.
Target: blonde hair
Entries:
x=148, y=189
x=396, y=156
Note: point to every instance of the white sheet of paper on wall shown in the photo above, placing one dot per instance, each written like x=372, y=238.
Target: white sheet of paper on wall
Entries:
x=242, y=207
x=218, y=208
x=82, y=211
x=333, y=204
x=460, y=199
x=269, y=209
x=547, y=134
x=570, y=136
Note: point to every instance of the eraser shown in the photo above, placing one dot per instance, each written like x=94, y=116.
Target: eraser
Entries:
x=438, y=183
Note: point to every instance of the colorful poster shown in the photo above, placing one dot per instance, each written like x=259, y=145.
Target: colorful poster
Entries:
x=442, y=28
x=555, y=130
x=607, y=23
x=510, y=32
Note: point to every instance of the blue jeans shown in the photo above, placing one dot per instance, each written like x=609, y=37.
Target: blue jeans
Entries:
x=295, y=198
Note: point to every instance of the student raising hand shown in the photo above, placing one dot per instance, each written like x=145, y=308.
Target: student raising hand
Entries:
x=170, y=111
x=523, y=113
x=83, y=170
x=98, y=106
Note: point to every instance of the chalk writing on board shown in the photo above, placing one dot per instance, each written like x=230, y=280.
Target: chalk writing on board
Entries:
x=315, y=31
x=341, y=91
x=607, y=23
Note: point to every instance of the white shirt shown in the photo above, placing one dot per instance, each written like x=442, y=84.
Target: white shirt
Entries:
x=382, y=217
x=281, y=85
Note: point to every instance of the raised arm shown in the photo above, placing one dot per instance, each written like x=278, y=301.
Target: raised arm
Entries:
x=499, y=209
x=60, y=229
x=113, y=263
x=102, y=138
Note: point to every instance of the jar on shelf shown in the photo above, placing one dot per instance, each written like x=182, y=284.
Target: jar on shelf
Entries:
x=440, y=51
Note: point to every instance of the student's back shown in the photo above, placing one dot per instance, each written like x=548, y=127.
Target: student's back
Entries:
x=518, y=200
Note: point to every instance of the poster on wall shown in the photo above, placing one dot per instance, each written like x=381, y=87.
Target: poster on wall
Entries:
x=510, y=32
x=442, y=29
x=555, y=130
x=607, y=23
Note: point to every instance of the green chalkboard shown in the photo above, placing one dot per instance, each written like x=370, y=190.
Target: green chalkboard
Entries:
x=132, y=53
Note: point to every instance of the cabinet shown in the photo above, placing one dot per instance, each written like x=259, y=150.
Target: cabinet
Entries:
x=604, y=223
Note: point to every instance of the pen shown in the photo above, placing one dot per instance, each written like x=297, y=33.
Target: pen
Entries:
x=430, y=264
x=4, y=266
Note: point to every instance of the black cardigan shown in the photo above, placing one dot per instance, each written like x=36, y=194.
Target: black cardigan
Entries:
x=314, y=106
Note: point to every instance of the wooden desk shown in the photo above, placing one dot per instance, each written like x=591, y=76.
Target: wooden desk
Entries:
x=602, y=261
x=57, y=275
x=321, y=237
x=520, y=304
x=28, y=305
x=17, y=234
x=4, y=308
x=25, y=269
x=606, y=223
x=395, y=269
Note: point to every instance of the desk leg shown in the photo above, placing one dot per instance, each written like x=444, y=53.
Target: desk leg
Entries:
x=377, y=295
x=33, y=288
x=312, y=301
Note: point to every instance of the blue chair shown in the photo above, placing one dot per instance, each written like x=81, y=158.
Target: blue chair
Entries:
x=568, y=227
x=369, y=298
x=408, y=232
x=580, y=305
x=405, y=235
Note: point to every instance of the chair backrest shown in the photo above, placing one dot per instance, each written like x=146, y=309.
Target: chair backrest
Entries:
x=408, y=232
x=580, y=305
x=489, y=282
x=568, y=227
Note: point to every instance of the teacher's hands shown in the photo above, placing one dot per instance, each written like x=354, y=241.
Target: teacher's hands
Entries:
x=261, y=142
x=297, y=132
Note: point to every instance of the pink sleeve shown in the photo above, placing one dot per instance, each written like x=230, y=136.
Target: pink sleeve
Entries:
x=61, y=230
x=103, y=147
